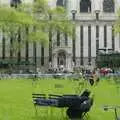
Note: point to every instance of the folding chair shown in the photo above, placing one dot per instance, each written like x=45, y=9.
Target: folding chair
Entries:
x=37, y=96
x=53, y=96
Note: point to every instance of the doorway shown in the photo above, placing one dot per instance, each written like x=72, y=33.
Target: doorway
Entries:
x=61, y=58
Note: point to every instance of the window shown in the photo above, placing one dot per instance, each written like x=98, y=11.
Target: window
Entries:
x=42, y=55
x=14, y=3
x=11, y=45
x=62, y=3
x=97, y=31
x=81, y=45
x=59, y=3
x=19, y=47
x=97, y=39
x=58, y=38
x=89, y=45
x=34, y=48
x=3, y=47
x=66, y=39
x=27, y=45
x=113, y=38
x=35, y=53
x=65, y=3
x=85, y=6
x=50, y=45
x=108, y=6
x=105, y=36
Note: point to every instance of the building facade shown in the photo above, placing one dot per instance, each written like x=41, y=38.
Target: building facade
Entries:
x=93, y=19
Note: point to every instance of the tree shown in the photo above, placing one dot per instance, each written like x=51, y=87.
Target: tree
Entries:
x=11, y=20
x=33, y=23
x=117, y=22
x=48, y=19
x=40, y=15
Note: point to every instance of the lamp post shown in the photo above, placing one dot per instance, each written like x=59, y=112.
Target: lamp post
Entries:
x=73, y=36
x=73, y=14
x=97, y=12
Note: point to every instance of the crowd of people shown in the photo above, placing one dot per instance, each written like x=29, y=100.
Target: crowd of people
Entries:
x=94, y=76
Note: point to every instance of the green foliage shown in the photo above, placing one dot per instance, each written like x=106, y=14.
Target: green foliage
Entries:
x=10, y=15
x=117, y=22
x=38, y=36
x=40, y=6
x=38, y=15
x=111, y=60
x=51, y=19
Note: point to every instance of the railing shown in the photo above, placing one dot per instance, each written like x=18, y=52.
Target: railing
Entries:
x=61, y=45
x=85, y=16
x=91, y=16
x=108, y=16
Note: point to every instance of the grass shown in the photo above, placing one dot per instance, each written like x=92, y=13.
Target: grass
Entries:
x=16, y=99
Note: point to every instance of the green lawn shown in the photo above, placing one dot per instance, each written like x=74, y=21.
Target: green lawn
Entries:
x=16, y=99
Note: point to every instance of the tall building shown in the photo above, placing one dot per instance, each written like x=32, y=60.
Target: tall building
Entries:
x=93, y=19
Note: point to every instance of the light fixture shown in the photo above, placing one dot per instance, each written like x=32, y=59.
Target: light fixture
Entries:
x=73, y=14
x=97, y=14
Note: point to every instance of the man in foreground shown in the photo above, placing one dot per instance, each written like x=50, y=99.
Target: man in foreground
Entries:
x=77, y=105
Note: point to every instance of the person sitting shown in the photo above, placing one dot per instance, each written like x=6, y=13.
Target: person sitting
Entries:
x=77, y=112
x=73, y=101
x=77, y=105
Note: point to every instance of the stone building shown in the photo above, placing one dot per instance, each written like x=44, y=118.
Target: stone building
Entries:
x=93, y=19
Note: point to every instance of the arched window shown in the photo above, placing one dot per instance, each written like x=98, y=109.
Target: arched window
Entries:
x=85, y=6
x=65, y=3
x=60, y=3
x=14, y=3
x=108, y=6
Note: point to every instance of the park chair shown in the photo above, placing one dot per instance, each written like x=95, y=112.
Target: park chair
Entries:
x=85, y=113
x=70, y=101
x=44, y=100
x=34, y=95
x=114, y=108
x=37, y=96
x=53, y=96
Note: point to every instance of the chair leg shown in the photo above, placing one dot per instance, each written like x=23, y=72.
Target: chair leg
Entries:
x=85, y=115
x=36, y=114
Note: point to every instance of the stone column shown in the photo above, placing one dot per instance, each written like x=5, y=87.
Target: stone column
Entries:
x=68, y=62
x=54, y=63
